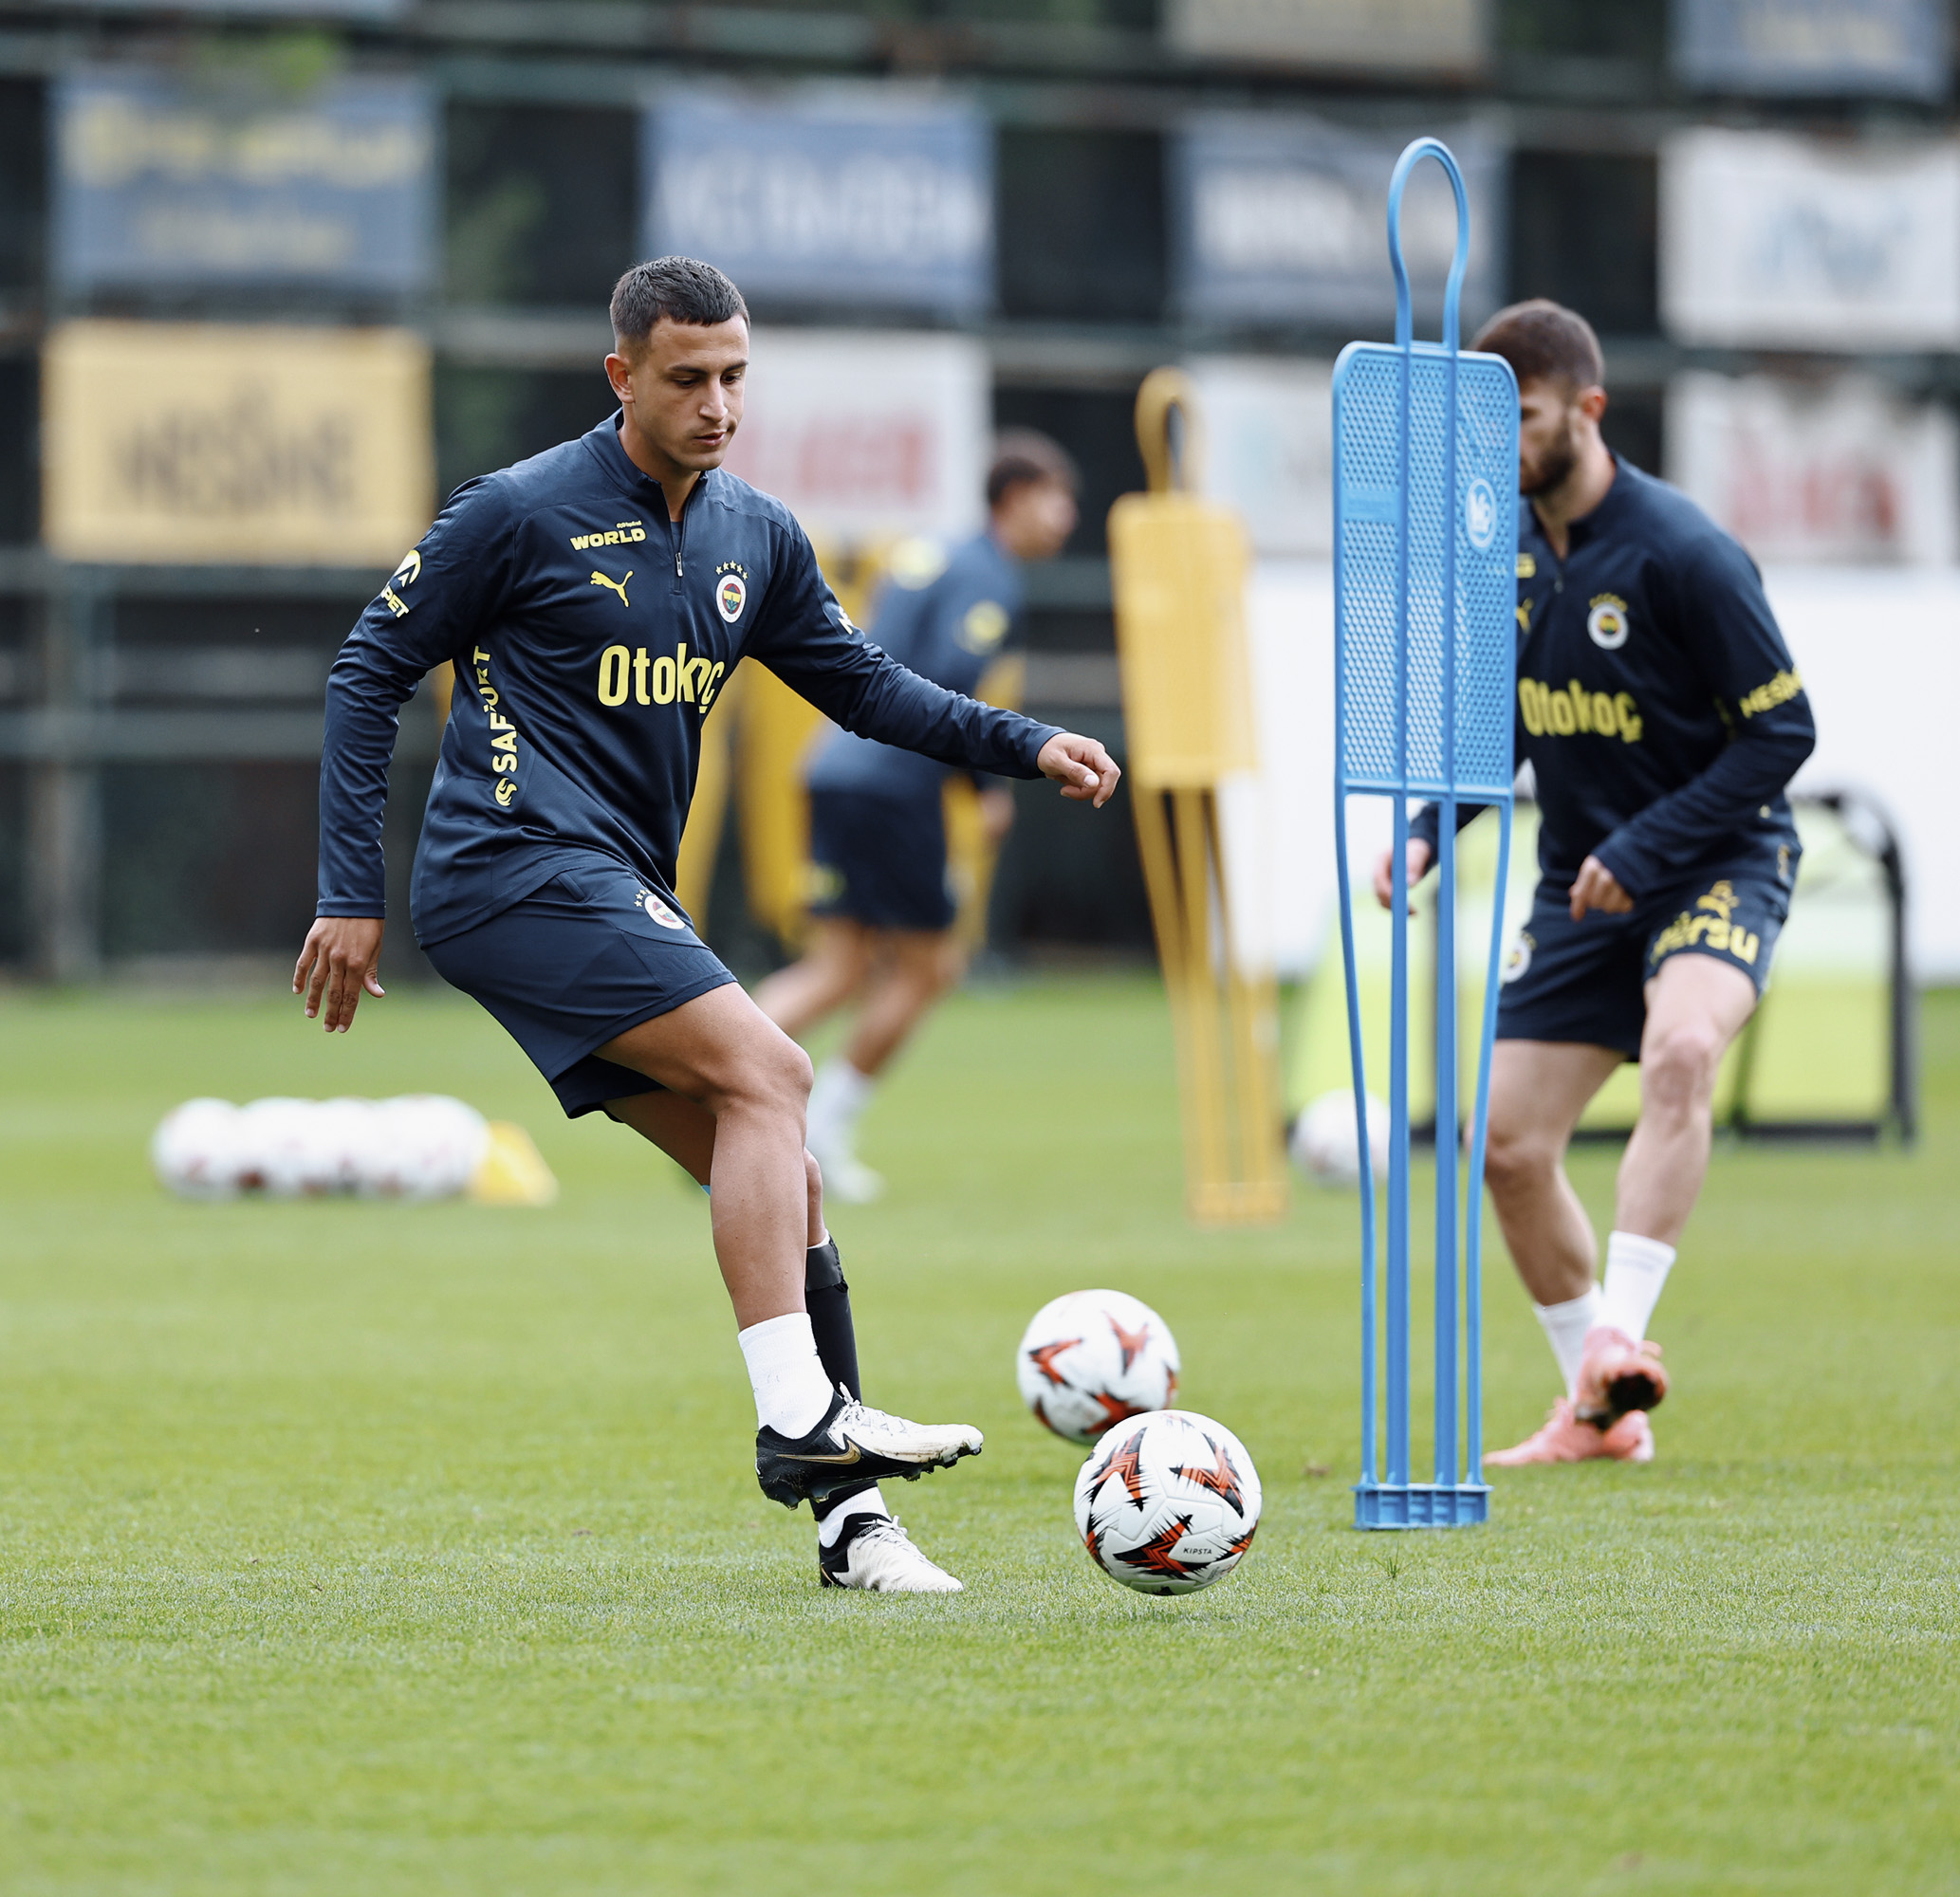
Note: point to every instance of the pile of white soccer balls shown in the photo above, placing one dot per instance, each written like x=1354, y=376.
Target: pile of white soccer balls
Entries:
x=416, y=1146
x=1168, y=1502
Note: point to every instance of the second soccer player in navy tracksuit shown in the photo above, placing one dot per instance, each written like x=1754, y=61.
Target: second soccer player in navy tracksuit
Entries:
x=882, y=916
x=1662, y=716
x=594, y=602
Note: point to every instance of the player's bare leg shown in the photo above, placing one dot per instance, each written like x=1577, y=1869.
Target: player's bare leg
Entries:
x=684, y=1131
x=830, y=970
x=915, y=968
x=900, y=973
x=1538, y=1091
x=733, y=1116
x=723, y=1055
x=1697, y=1005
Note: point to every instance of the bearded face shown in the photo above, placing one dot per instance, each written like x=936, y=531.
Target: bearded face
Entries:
x=1547, y=436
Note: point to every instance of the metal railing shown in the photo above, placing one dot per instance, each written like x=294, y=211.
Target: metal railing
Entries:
x=76, y=700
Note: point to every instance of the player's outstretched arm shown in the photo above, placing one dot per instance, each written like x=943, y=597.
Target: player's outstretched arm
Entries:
x=343, y=955
x=1080, y=765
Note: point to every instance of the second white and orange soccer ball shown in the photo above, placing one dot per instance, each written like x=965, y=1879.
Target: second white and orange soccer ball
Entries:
x=1091, y=1359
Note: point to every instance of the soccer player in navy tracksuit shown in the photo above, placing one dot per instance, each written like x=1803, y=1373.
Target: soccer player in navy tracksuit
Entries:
x=883, y=914
x=1662, y=716
x=593, y=600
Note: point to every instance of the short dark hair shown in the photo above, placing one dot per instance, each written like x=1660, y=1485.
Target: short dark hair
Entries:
x=683, y=289
x=1024, y=454
x=1545, y=341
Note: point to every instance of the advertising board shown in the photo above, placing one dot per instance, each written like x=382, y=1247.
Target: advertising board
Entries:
x=1770, y=240
x=868, y=434
x=159, y=182
x=233, y=443
x=837, y=196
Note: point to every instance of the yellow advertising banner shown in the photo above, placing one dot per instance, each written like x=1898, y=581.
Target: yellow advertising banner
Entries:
x=256, y=444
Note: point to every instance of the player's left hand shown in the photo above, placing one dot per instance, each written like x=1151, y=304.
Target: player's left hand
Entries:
x=1597, y=887
x=1084, y=769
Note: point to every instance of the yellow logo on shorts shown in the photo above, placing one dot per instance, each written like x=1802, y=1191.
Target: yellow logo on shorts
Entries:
x=1708, y=926
x=1518, y=963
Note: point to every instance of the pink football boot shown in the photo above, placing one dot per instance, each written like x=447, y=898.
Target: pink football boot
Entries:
x=1564, y=1438
x=1617, y=1376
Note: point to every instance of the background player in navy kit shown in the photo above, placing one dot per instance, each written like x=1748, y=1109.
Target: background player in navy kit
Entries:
x=1662, y=716
x=882, y=920
x=593, y=600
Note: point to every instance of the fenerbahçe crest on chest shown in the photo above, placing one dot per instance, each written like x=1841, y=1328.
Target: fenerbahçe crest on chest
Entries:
x=630, y=671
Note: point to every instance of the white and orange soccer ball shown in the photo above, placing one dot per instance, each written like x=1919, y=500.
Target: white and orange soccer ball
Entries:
x=1093, y=1357
x=1326, y=1146
x=1168, y=1504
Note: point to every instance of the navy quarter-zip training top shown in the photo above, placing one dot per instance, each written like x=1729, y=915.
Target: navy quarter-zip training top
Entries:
x=590, y=637
x=1660, y=709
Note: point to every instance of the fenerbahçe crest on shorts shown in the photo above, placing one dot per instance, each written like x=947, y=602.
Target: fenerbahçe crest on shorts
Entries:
x=657, y=909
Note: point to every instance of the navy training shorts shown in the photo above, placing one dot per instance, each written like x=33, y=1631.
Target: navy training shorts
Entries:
x=592, y=953
x=1587, y=981
x=879, y=861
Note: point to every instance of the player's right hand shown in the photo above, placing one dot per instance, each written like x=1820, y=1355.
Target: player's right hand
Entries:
x=1385, y=872
x=343, y=955
x=1084, y=769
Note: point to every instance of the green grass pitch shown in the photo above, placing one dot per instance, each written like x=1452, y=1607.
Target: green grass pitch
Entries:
x=353, y=1548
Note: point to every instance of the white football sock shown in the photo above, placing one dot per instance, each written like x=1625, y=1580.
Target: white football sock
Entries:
x=869, y=1503
x=1566, y=1326
x=791, y=1390
x=1636, y=1270
x=838, y=1100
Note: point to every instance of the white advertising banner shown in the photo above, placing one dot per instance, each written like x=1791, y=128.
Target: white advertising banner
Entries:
x=1772, y=241
x=1268, y=429
x=1407, y=35
x=1841, y=471
x=868, y=434
x=1879, y=651
x=1289, y=620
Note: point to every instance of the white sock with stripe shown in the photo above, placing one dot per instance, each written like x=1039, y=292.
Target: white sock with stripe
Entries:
x=1636, y=1268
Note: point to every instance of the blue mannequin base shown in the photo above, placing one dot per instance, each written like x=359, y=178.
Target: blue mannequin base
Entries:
x=1421, y=1505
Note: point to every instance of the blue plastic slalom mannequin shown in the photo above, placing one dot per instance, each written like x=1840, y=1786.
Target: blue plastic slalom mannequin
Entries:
x=1425, y=545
